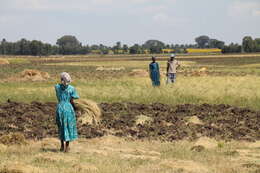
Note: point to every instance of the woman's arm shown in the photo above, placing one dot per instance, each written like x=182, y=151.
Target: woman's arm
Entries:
x=167, y=69
x=73, y=104
x=57, y=92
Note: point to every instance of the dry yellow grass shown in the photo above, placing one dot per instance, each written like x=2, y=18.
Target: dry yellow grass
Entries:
x=4, y=61
x=12, y=138
x=2, y=148
x=139, y=73
x=185, y=166
x=114, y=155
x=110, y=68
x=19, y=167
x=206, y=142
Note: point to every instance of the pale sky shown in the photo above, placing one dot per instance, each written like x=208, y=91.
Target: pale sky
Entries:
x=129, y=21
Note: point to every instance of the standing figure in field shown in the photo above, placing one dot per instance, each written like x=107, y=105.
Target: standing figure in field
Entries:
x=65, y=114
x=154, y=72
x=172, y=66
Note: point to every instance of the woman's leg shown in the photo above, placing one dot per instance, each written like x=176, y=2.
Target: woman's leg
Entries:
x=67, y=148
x=61, y=145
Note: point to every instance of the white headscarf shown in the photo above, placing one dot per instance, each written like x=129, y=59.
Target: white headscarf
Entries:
x=65, y=78
x=173, y=55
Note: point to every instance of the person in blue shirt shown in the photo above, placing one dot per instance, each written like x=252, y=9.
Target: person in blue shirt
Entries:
x=154, y=72
x=65, y=114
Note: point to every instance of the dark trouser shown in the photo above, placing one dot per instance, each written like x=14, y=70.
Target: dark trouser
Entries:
x=171, y=78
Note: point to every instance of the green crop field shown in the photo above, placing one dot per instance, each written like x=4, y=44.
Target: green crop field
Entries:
x=226, y=80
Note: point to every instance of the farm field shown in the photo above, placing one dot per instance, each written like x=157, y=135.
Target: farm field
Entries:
x=206, y=122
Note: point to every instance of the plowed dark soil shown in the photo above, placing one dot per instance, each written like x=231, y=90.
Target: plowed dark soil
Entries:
x=168, y=123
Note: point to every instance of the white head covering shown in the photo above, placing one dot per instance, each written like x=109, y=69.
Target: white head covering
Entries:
x=65, y=78
x=173, y=55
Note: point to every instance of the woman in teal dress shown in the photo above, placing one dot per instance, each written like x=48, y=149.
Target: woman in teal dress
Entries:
x=65, y=114
x=154, y=72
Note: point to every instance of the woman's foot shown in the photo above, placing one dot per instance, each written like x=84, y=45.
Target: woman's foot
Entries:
x=67, y=149
x=61, y=146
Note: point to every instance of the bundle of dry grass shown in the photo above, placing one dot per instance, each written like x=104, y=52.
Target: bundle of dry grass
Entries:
x=201, y=72
x=34, y=75
x=139, y=73
x=203, y=69
x=110, y=68
x=13, y=138
x=142, y=119
x=3, y=61
x=195, y=120
x=206, y=142
x=3, y=148
x=19, y=168
x=89, y=111
x=85, y=168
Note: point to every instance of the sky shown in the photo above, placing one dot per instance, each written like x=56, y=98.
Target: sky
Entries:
x=129, y=21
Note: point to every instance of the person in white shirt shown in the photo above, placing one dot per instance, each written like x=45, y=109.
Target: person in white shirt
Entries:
x=172, y=66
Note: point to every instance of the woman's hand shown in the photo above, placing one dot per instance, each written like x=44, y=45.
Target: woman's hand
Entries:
x=73, y=104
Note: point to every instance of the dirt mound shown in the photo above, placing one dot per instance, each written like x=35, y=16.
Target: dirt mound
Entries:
x=4, y=61
x=139, y=121
x=139, y=73
x=34, y=75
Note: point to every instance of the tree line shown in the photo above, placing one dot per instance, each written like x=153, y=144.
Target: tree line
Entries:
x=69, y=45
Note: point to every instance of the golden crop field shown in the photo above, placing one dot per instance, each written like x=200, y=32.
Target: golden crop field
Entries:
x=203, y=50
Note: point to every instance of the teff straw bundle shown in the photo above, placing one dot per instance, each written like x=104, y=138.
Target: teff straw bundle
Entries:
x=91, y=112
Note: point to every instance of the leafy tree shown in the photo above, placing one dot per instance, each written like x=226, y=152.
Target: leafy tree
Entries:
x=125, y=48
x=202, y=41
x=135, y=49
x=10, y=48
x=3, y=46
x=257, y=42
x=94, y=47
x=23, y=47
x=118, y=45
x=214, y=43
x=104, y=49
x=155, y=46
x=232, y=48
x=249, y=44
x=68, y=45
x=36, y=47
x=46, y=49
x=54, y=50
